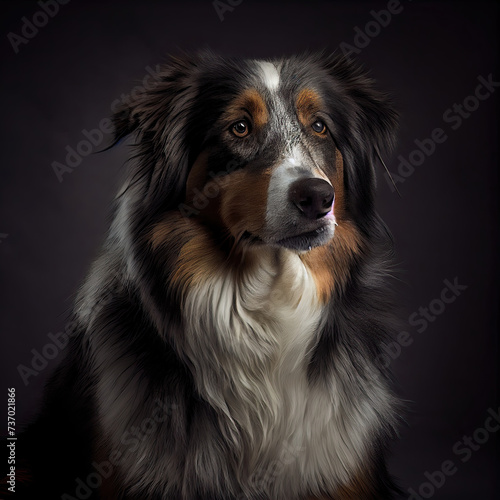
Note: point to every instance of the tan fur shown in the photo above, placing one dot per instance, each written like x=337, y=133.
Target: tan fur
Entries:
x=308, y=103
x=173, y=227
x=337, y=181
x=357, y=489
x=244, y=201
x=198, y=261
x=251, y=101
x=330, y=264
x=199, y=257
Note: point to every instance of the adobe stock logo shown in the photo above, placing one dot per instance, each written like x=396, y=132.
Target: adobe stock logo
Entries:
x=59, y=341
x=380, y=20
x=129, y=445
x=227, y=6
x=39, y=19
x=421, y=319
x=464, y=449
x=454, y=116
x=74, y=155
x=95, y=137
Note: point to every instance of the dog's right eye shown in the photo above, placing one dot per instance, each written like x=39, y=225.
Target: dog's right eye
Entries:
x=319, y=127
x=241, y=128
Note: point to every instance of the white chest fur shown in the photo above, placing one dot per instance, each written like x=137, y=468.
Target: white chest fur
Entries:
x=249, y=339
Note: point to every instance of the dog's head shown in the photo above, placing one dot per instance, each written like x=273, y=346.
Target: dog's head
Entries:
x=276, y=152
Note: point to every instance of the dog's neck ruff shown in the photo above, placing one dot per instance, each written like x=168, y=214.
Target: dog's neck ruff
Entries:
x=257, y=329
x=249, y=338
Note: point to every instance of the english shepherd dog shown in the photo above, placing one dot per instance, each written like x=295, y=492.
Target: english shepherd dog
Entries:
x=228, y=341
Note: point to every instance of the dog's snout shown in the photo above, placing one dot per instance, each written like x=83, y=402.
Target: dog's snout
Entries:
x=312, y=196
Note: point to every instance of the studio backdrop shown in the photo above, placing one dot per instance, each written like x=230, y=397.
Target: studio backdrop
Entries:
x=66, y=66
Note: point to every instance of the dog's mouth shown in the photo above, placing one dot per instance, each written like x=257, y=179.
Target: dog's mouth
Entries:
x=306, y=241
x=301, y=242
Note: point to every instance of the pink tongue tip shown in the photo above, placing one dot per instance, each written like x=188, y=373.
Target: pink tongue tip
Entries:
x=331, y=209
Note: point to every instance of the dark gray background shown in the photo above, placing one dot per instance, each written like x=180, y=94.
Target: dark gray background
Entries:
x=429, y=56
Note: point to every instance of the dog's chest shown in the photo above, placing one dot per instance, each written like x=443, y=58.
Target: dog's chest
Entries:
x=250, y=341
x=260, y=324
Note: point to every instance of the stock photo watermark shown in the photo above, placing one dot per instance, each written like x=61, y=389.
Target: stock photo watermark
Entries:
x=221, y=7
x=129, y=443
x=94, y=138
x=201, y=199
x=421, y=318
x=364, y=36
x=454, y=116
x=31, y=27
x=59, y=341
x=463, y=450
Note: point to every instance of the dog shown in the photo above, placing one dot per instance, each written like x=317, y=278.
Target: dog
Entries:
x=227, y=343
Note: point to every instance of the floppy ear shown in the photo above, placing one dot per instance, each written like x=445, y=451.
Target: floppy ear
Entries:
x=376, y=118
x=158, y=114
x=368, y=123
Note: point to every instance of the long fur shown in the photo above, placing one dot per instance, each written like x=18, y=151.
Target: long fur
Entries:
x=208, y=363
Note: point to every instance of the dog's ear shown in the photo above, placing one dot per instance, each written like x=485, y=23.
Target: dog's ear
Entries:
x=157, y=112
x=375, y=117
x=366, y=124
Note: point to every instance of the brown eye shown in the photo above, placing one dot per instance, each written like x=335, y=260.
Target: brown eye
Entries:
x=319, y=127
x=241, y=128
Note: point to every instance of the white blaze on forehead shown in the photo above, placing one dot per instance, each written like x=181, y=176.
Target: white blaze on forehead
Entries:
x=270, y=75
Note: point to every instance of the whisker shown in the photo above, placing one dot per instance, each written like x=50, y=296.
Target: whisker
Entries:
x=387, y=170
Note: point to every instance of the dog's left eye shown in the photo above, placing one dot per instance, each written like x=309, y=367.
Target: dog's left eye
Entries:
x=241, y=128
x=319, y=127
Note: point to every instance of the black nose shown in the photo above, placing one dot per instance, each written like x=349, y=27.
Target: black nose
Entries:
x=312, y=196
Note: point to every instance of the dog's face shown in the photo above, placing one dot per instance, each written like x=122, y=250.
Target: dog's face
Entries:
x=274, y=153
x=271, y=172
